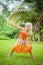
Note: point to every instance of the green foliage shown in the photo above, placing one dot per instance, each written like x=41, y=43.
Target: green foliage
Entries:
x=30, y=1
x=5, y=11
x=39, y=5
x=2, y=37
x=21, y=17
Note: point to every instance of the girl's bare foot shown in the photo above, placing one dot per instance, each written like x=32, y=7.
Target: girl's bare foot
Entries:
x=10, y=54
x=33, y=57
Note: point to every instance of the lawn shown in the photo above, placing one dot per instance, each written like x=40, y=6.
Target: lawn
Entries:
x=20, y=59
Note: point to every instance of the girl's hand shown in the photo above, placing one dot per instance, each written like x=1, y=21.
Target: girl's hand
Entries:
x=30, y=45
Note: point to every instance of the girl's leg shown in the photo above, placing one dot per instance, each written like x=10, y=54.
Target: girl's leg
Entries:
x=31, y=55
x=10, y=53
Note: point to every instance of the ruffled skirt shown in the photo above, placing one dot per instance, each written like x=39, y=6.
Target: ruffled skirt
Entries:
x=22, y=48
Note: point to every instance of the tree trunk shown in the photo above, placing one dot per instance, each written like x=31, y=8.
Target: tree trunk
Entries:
x=39, y=36
x=37, y=27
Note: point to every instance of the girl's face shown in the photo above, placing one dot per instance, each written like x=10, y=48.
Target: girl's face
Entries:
x=28, y=26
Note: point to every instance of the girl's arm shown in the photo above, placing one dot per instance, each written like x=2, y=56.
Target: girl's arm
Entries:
x=30, y=41
x=16, y=26
x=30, y=37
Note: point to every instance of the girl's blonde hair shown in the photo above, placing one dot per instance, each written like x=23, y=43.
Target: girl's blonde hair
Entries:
x=31, y=27
x=30, y=24
x=30, y=31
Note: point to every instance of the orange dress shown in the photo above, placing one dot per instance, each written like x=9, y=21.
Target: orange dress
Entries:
x=22, y=48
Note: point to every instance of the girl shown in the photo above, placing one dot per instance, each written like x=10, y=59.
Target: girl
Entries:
x=22, y=45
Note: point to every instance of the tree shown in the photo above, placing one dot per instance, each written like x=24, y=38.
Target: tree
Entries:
x=39, y=9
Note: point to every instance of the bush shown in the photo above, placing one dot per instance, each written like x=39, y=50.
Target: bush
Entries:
x=4, y=37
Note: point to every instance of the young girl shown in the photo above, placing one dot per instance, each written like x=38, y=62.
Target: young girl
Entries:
x=22, y=45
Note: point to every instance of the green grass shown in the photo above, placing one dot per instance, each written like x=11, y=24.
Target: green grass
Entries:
x=20, y=59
